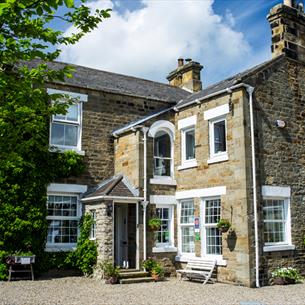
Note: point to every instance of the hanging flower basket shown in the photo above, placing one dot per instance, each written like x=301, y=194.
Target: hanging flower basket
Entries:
x=223, y=225
x=154, y=224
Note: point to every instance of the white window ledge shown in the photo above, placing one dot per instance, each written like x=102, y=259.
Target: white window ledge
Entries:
x=164, y=249
x=279, y=248
x=63, y=149
x=217, y=159
x=184, y=259
x=163, y=181
x=61, y=248
x=190, y=164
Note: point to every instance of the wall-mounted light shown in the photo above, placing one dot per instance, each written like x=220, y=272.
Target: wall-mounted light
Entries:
x=109, y=209
x=280, y=124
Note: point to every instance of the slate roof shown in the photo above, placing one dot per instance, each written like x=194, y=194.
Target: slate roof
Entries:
x=117, y=186
x=229, y=82
x=117, y=83
x=222, y=85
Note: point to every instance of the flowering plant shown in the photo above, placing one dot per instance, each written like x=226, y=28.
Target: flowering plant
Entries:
x=287, y=273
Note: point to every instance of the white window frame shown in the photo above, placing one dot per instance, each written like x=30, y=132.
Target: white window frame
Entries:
x=79, y=99
x=93, y=227
x=168, y=128
x=220, y=156
x=280, y=193
x=183, y=256
x=64, y=246
x=184, y=126
x=204, y=227
x=167, y=247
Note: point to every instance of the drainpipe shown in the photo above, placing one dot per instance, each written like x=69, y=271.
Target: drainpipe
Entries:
x=250, y=92
x=145, y=202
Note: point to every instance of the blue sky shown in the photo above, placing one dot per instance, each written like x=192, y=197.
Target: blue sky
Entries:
x=144, y=38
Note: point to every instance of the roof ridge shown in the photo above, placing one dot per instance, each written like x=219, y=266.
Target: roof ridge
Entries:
x=120, y=74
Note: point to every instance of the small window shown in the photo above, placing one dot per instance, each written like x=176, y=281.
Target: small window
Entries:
x=63, y=220
x=187, y=242
x=162, y=154
x=218, y=140
x=93, y=227
x=188, y=144
x=65, y=129
x=276, y=225
x=163, y=236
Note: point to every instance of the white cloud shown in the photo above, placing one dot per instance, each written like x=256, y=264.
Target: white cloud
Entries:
x=147, y=42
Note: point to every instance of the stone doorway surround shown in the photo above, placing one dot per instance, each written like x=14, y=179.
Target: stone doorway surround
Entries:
x=105, y=200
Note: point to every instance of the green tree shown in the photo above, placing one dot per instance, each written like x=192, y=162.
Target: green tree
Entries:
x=26, y=165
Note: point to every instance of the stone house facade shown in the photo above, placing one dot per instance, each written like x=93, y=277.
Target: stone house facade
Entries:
x=234, y=151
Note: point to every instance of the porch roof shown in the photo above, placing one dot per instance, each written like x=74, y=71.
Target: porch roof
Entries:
x=113, y=187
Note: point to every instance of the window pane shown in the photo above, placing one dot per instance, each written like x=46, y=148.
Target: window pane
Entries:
x=187, y=239
x=274, y=221
x=162, y=145
x=64, y=134
x=71, y=135
x=162, y=167
x=62, y=206
x=219, y=136
x=57, y=134
x=71, y=115
x=163, y=234
x=212, y=211
x=213, y=241
x=62, y=231
x=190, y=144
x=187, y=212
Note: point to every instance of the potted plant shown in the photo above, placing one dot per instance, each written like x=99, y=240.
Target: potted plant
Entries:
x=157, y=273
x=223, y=225
x=154, y=223
x=285, y=276
x=149, y=264
x=111, y=273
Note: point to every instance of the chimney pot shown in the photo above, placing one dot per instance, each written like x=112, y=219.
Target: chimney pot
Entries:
x=289, y=3
x=180, y=62
x=188, y=59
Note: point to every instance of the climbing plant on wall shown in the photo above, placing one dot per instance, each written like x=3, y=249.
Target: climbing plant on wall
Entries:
x=27, y=43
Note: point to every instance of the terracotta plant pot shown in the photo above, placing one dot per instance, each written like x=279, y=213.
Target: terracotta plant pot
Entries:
x=112, y=280
x=155, y=277
x=283, y=281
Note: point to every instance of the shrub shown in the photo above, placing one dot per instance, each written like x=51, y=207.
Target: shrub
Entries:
x=85, y=256
x=109, y=270
x=149, y=264
x=287, y=273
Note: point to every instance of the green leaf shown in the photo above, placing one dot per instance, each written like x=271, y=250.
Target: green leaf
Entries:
x=69, y=3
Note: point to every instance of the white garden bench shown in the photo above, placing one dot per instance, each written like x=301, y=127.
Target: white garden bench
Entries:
x=198, y=269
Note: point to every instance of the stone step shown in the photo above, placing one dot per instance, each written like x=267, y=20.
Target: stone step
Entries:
x=136, y=280
x=129, y=270
x=133, y=274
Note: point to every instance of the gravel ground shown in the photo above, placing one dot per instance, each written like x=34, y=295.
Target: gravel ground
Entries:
x=86, y=291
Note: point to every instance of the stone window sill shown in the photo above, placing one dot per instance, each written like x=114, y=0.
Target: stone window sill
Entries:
x=164, y=249
x=187, y=165
x=163, y=181
x=63, y=149
x=279, y=248
x=55, y=248
x=217, y=159
x=185, y=259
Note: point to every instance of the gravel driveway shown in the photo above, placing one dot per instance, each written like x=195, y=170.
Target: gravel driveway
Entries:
x=86, y=291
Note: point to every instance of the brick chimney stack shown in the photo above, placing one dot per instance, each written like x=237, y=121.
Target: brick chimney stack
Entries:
x=187, y=75
x=287, y=23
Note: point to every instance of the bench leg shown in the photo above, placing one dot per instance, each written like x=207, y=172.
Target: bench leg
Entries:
x=32, y=272
x=10, y=274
